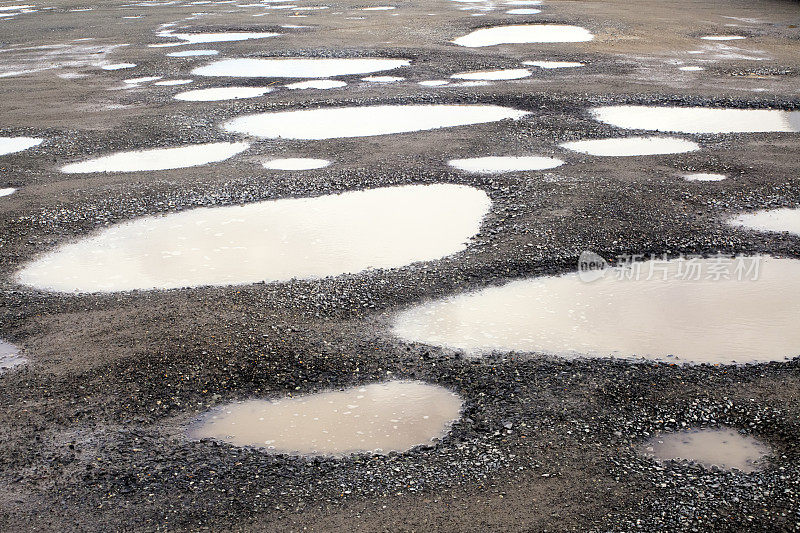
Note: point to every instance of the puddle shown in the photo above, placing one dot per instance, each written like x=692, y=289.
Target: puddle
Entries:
x=222, y=93
x=501, y=164
x=316, y=84
x=144, y=79
x=159, y=158
x=674, y=311
x=360, y=121
x=724, y=448
x=193, y=53
x=304, y=238
x=298, y=67
x=10, y=356
x=632, y=146
x=296, y=163
x=382, y=79
x=691, y=69
x=704, y=176
x=529, y=33
x=8, y=191
x=722, y=37
x=434, y=83
x=171, y=83
x=9, y=145
x=200, y=38
x=507, y=74
x=552, y=64
x=523, y=11
x=772, y=220
x=118, y=66
x=699, y=119
x=380, y=418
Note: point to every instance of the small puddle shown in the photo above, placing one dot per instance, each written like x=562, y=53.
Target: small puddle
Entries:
x=171, y=83
x=508, y=74
x=200, y=38
x=552, y=64
x=724, y=448
x=7, y=191
x=632, y=146
x=523, y=11
x=724, y=310
x=722, y=38
x=159, y=158
x=699, y=119
x=193, y=53
x=9, y=145
x=380, y=418
x=276, y=240
x=222, y=93
x=118, y=66
x=316, y=84
x=772, y=220
x=382, y=79
x=501, y=164
x=10, y=356
x=691, y=68
x=298, y=67
x=296, y=163
x=360, y=121
x=704, y=176
x=526, y=33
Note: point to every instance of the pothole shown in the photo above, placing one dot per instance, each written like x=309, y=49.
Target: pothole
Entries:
x=276, y=240
x=526, y=33
x=158, y=158
x=9, y=145
x=723, y=448
x=296, y=163
x=502, y=164
x=298, y=67
x=507, y=74
x=379, y=418
x=632, y=146
x=10, y=356
x=772, y=220
x=704, y=176
x=217, y=94
x=699, y=119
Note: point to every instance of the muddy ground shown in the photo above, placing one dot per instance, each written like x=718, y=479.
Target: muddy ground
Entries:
x=92, y=430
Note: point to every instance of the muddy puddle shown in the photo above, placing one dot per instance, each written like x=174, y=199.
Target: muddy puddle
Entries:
x=771, y=220
x=723, y=448
x=715, y=310
x=10, y=357
x=275, y=240
x=379, y=418
x=343, y=122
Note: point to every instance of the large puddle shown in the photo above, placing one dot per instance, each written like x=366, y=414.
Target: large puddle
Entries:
x=724, y=448
x=10, y=356
x=502, y=164
x=716, y=310
x=773, y=220
x=159, y=158
x=268, y=241
x=298, y=68
x=9, y=145
x=699, y=119
x=525, y=33
x=632, y=146
x=380, y=418
x=365, y=121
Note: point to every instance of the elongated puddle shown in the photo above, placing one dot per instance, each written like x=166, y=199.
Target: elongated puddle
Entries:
x=217, y=94
x=525, y=33
x=9, y=145
x=381, y=418
x=717, y=310
x=724, y=448
x=298, y=67
x=268, y=241
x=503, y=164
x=771, y=220
x=507, y=74
x=699, y=119
x=632, y=146
x=159, y=158
x=10, y=356
x=365, y=121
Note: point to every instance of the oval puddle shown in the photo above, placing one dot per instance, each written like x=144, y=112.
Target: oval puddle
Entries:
x=158, y=158
x=502, y=164
x=673, y=311
x=771, y=220
x=10, y=356
x=498, y=75
x=222, y=93
x=9, y=145
x=525, y=33
x=360, y=121
x=552, y=64
x=724, y=448
x=296, y=163
x=379, y=418
x=298, y=67
x=699, y=119
x=632, y=146
x=7, y=191
x=276, y=240
x=704, y=176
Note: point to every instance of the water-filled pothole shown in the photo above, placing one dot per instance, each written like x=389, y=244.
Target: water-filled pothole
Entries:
x=298, y=67
x=506, y=74
x=699, y=119
x=552, y=64
x=365, y=121
x=772, y=220
x=276, y=240
x=7, y=191
x=704, y=176
x=222, y=93
x=380, y=418
x=158, y=158
x=317, y=84
x=632, y=146
x=502, y=164
x=10, y=356
x=9, y=145
x=193, y=53
x=296, y=163
x=525, y=33
x=199, y=38
x=715, y=310
x=722, y=447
